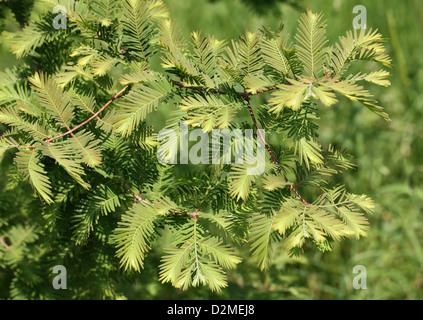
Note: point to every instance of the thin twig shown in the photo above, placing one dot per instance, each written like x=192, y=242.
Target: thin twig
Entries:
x=137, y=198
x=70, y=131
x=267, y=90
x=95, y=115
x=269, y=150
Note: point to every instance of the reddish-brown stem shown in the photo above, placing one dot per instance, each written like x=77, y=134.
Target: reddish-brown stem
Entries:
x=292, y=187
x=195, y=214
x=95, y=115
x=267, y=90
x=137, y=198
x=92, y=112
x=70, y=131
x=275, y=161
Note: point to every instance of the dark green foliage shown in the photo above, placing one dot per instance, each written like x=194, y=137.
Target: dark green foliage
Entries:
x=21, y=9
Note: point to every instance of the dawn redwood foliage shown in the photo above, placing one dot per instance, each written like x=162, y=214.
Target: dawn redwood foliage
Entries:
x=76, y=127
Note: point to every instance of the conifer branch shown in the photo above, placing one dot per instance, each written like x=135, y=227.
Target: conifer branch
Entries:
x=91, y=118
x=293, y=187
x=181, y=85
x=127, y=33
x=70, y=131
x=137, y=198
x=244, y=94
x=246, y=97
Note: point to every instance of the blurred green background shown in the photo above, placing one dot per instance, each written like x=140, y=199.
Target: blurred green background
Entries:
x=388, y=155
